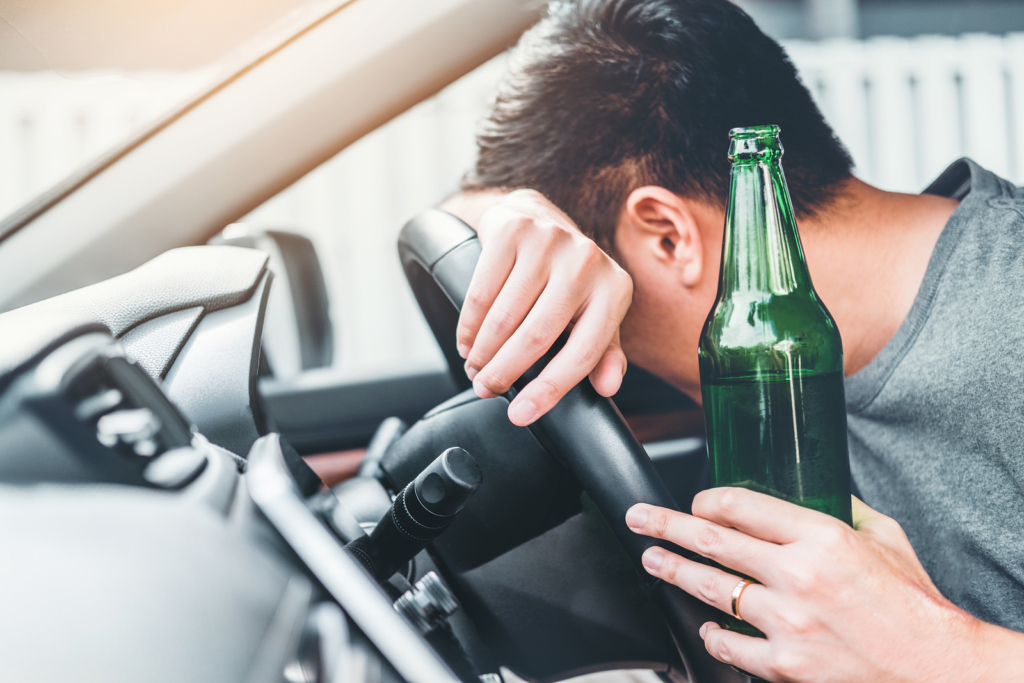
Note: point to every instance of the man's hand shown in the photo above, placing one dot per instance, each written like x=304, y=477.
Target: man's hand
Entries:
x=836, y=604
x=537, y=275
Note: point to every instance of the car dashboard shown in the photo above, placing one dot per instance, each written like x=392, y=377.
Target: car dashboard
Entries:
x=159, y=527
x=142, y=551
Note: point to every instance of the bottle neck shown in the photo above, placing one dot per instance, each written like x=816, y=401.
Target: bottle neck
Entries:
x=762, y=251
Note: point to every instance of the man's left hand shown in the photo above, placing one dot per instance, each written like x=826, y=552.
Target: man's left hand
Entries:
x=836, y=603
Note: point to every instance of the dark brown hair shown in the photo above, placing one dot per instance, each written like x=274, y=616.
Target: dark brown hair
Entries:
x=604, y=96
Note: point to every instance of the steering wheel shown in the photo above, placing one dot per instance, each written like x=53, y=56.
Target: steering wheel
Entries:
x=584, y=431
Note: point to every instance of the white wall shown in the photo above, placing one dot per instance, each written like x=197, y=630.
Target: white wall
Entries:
x=905, y=108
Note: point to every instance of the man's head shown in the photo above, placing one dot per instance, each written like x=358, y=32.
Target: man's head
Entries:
x=618, y=111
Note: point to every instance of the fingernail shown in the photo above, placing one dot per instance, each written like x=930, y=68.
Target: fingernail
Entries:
x=463, y=350
x=482, y=391
x=652, y=558
x=471, y=372
x=522, y=412
x=703, y=630
x=636, y=517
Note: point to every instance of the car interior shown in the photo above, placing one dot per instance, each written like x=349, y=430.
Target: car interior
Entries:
x=169, y=505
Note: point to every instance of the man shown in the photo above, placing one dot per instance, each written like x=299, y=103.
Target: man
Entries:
x=615, y=114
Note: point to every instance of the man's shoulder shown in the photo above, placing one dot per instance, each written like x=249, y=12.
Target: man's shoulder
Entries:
x=966, y=179
x=988, y=202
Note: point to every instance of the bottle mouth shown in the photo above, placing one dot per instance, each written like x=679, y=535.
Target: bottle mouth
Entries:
x=759, y=143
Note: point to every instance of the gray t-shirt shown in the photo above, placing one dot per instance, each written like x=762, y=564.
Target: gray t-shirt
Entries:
x=936, y=420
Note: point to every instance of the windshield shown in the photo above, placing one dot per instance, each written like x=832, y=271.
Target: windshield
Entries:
x=79, y=79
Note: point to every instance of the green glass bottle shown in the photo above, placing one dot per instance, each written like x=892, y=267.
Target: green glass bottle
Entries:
x=771, y=359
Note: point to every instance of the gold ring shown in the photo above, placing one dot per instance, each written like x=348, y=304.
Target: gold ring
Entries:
x=737, y=593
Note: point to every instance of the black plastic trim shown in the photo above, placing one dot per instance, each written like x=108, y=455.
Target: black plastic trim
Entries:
x=317, y=415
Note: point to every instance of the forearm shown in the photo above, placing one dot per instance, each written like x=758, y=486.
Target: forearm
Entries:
x=999, y=656
x=470, y=206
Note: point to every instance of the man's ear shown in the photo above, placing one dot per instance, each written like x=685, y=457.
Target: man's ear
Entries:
x=659, y=224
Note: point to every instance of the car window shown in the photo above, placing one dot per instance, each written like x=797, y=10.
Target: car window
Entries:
x=80, y=79
x=352, y=208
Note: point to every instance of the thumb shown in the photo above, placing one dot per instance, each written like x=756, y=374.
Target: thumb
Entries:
x=864, y=517
x=890, y=537
x=607, y=375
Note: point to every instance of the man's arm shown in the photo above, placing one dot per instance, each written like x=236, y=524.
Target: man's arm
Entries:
x=537, y=275
x=836, y=603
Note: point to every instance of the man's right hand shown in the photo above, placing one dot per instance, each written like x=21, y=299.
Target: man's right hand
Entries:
x=537, y=275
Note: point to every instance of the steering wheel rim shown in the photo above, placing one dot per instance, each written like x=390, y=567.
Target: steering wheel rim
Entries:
x=584, y=431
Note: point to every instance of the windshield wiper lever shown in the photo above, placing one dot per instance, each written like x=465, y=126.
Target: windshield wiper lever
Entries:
x=420, y=512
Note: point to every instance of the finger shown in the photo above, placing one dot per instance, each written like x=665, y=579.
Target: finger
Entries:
x=759, y=515
x=748, y=653
x=708, y=584
x=607, y=376
x=587, y=342
x=517, y=297
x=550, y=315
x=492, y=271
x=728, y=547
